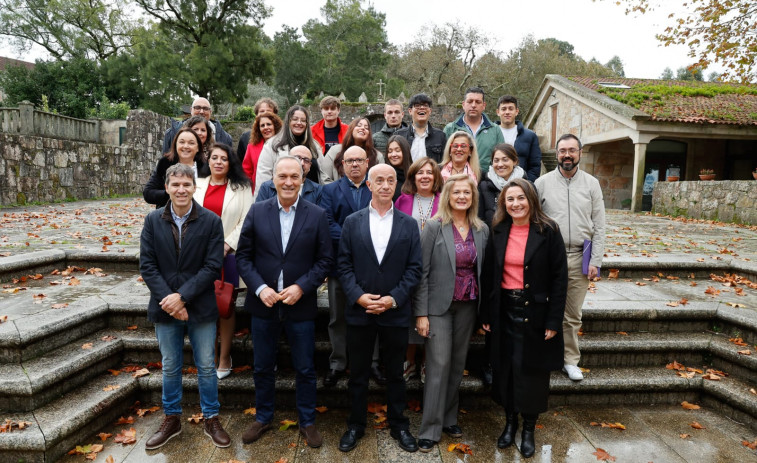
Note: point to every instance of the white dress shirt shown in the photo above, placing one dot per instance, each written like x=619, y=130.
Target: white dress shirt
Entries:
x=381, y=230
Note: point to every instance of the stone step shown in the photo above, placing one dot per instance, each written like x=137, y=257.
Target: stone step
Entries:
x=68, y=421
x=636, y=349
x=33, y=383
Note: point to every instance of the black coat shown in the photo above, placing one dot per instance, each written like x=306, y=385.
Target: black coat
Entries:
x=435, y=141
x=190, y=271
x=154, y=191
x=487, y=200
x=545, y=277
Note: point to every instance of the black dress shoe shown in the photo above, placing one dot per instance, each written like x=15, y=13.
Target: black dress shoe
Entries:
x=332, y=377
x=377, y=375
x=453, y=431
x=349, y=439
x=426, y=445
x=406, y=440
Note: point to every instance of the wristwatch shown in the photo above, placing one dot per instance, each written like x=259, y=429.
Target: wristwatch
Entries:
x=394, y=303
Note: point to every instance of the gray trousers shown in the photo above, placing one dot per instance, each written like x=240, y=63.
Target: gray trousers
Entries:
x=338, y=328
x=577, y=286
x=446, y=351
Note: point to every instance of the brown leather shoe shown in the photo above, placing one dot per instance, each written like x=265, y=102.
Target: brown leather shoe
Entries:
x=312, y=437
x=170, y=427
x=254, y=432
x=215, y=431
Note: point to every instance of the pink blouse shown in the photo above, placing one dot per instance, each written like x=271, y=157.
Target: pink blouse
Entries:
x=515, y=253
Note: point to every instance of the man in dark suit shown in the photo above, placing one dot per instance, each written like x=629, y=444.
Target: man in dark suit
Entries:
x=340, y=199
x=180, y=255
x=379, y=265
x=284, y=254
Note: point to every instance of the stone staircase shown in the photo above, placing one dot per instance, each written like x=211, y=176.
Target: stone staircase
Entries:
x=67, y=393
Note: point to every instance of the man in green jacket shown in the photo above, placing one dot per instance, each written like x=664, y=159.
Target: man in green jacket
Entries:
x=474, y=121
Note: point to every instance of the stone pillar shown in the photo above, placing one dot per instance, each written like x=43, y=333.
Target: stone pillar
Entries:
x=26, y=122
x=637, y=188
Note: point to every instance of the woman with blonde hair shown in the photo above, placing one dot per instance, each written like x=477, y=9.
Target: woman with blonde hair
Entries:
x=446, y=302
x=461, y=156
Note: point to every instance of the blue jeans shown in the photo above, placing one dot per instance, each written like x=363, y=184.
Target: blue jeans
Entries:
x=265, y=345
x=202, y=337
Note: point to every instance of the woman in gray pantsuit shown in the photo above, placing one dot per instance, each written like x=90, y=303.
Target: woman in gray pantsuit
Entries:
x=446, y=302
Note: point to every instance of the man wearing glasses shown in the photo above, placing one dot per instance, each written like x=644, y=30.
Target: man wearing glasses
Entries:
x=341, y=198
x=424, y=140
x=200, y=107
x=573, y=199
x=309, y=190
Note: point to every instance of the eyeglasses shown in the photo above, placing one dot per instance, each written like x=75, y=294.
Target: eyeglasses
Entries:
x=304, y=160
x=565, y=151
x=355, y=162
x=460, y=146
x=421, y=105
x=201, y=108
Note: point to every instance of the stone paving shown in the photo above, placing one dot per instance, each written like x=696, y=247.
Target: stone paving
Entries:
x=653, y=433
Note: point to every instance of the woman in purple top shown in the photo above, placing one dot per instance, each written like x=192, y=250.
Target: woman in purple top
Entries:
x=446, y=302
x=419, y=199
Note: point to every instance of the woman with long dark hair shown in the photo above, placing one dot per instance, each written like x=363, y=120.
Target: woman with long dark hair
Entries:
x=186, y=148
x=504, y=167
x=265, y=127
x=204, y=129
x=525, y=287
x=398, y=156
x=223, y=188
x=296, y=131
x=358, y=134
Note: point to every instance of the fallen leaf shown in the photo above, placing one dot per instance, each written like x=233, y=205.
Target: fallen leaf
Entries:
x=696, y=425
x=286, y=424
x=126, y=437
x=87, y=345
x=622, y=333
x=251, y=411
x=292, y=445
x=379, y=419
x=60, y=306
x=613, y=273
x=601, y=454
x=241, y=369
x=321, y=409
x=736, y=305
x=158, y=365
x=141, y=372
x=282, y=460
x=108, y=338
x=3, y=318
x=640, y=283
x=111, y=387
x=123, y=420
x=190, y=370
x=132, y=327
x=751, y=445
x=196, y=418
x=684, y=436
x=539, y=426
x=744, y=352
x=460, y=447
x=74, y=281
x=414, y=405
x=753, y=391
x=110, y=459
x=685, y=374
x=689, y=406
x=104, y=435
x=672, y=304
x=146, y=411
x=374, y=407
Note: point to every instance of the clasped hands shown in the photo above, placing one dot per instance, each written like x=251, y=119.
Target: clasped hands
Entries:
x=289, y=295
x=375, y=304
x=174, y=306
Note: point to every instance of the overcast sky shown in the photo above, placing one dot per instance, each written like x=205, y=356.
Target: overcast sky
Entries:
x=596, y=29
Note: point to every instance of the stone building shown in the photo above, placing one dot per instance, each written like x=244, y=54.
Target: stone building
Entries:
x=639, y=131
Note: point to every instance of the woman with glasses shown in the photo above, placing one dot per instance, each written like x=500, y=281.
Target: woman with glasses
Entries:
x=524, y=291
x=358, y=134
x=296, y=132
x=446, y=303
x=460, y=157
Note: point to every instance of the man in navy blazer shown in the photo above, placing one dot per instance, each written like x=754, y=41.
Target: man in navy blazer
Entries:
x=284, y=254
x=347, y=195
x=379, y=265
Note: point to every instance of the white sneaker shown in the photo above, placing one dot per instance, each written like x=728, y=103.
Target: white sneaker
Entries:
x=573, y=372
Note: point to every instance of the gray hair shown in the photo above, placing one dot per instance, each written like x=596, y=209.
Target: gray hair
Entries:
x=288, y=156
x=180, y=170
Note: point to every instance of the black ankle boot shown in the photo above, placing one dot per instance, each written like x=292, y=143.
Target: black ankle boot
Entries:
x=527, y=446
x=507, y=437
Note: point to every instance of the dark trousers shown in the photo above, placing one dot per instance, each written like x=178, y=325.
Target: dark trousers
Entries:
x=360, y=343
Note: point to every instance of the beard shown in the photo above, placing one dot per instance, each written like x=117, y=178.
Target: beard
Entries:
x=568, y=164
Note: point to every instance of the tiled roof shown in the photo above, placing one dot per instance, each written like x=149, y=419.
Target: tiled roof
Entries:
x=682, y=101
x=6, y=62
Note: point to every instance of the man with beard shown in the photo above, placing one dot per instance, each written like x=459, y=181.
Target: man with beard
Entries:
x=573, y=199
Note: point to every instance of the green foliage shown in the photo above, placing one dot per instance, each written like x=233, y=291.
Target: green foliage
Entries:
x=245, y=113
x=349, y=48
x=109, y=110
x=656, y=94
x=294, y=63
x=667, y=74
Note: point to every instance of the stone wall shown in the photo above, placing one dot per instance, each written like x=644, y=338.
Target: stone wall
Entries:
x=40, y=169
x=726, y=201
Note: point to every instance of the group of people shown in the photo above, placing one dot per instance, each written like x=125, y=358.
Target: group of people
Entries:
x=423, y=235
